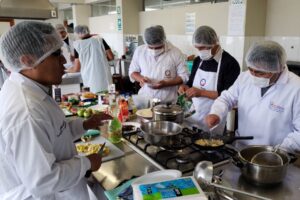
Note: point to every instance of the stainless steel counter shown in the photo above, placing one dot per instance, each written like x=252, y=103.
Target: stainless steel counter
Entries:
x=133, y=164
x=112, y=173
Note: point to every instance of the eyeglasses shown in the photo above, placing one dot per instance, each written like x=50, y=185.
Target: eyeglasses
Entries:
x=57, y=53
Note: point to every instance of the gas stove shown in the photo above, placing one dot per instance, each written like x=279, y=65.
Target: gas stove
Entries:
x=184, y=156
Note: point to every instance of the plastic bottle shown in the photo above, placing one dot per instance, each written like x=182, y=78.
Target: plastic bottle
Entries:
x=115, y=125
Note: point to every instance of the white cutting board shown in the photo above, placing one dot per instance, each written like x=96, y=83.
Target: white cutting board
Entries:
x=114, y=153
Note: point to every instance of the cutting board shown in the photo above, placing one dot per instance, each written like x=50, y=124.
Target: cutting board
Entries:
x=114, y=153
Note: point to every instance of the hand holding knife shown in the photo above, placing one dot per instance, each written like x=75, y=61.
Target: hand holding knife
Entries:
x=88, y=172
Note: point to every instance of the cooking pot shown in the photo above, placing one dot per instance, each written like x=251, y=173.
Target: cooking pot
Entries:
x=161, y=133
x=168, y=112
x=262, y=174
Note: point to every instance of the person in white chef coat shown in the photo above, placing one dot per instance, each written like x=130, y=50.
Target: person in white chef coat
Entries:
x=67, y=48
x=38, y=156
x=91, y=59
x=268, y=99
x=158, y=66
x=213, y=71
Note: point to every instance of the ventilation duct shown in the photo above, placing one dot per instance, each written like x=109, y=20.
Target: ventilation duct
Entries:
x=27, y=9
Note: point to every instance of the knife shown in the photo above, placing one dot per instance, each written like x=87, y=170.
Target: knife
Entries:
x=100, y=152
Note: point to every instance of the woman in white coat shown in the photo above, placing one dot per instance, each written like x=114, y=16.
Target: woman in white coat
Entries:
x=268, y=99
x=38, y=156
x=158, y=66
x=213, y=71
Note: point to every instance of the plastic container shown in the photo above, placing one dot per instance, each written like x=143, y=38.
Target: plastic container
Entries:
x=115, y=126
x=189, y=65
x=114, y=130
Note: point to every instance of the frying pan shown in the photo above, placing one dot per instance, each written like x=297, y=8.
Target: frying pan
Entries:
x=227, y=139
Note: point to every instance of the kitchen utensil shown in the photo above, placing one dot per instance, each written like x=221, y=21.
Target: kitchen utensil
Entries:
x=270, y=158
x=168, y=112
x=89, y=172
x=226, y=139
x=161, y=133
x=267, y=158
x=258, y=174
x=204, y=172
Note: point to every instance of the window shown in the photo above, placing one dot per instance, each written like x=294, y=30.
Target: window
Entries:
x=104, y=8
x=162, y=4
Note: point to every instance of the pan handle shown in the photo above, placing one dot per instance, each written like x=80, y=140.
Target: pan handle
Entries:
x=293, y=157
x=243, y=138
x=235, y=156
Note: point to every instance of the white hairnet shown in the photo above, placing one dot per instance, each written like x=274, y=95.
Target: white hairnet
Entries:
x=82, y=30
x=154, y=35
x=34, y=39
x=205, y=36
x=60, y=27
x=266, y=56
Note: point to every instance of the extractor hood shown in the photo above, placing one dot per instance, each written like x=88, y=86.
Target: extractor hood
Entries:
x=27, y=9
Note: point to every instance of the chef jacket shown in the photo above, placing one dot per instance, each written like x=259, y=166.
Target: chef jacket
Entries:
x=271, y=118
x=167, y=66
x=38, y=156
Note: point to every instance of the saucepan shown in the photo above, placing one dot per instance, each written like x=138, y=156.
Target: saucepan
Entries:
x=161, y=133
x=258, y=174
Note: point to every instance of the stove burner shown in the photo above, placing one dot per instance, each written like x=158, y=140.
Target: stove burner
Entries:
x=183, y=155
x=182, y=159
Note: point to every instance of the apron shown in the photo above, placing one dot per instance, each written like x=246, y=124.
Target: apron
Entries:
x=95, y=70
x=66, y=51
x=206, y=81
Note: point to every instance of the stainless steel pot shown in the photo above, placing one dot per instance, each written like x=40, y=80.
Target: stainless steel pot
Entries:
x=161, y=133
x=168, y=112
x=262, y=174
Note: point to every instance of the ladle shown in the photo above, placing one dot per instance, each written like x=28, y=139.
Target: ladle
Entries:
x=268, y=158
x=203, y=173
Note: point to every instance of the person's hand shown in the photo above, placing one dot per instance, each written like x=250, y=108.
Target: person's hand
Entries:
x=182, y=89
x=212, y=120
x=144, y=80
x=96, y=161
x=193, y=92
x=95, y=121
x=159, y=85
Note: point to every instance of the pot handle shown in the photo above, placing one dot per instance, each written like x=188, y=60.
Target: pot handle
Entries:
x=235, y=156
x=293, y=157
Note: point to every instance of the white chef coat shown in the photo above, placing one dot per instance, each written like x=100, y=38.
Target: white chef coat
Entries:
x=168, y=65
x=38, y=156
x=205, y=80
x=95, y=70
x=271, y=118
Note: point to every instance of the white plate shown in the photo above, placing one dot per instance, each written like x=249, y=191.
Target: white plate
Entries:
x=100, y=108
x=157, y=176
x=146, y=113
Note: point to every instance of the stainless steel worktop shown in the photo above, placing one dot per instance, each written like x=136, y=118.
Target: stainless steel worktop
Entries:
x=112, y=173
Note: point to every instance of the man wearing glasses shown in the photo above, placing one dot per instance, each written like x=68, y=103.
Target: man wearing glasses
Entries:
x=38, y=155
x=268, y=99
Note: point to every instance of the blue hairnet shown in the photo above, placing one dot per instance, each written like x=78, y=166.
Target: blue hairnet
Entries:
x=82, y=30
x=266, y=56
x=35, y=39
x=205, y=36
x=155, y=35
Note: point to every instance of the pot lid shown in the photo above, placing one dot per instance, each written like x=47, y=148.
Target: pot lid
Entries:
x=167, y=109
